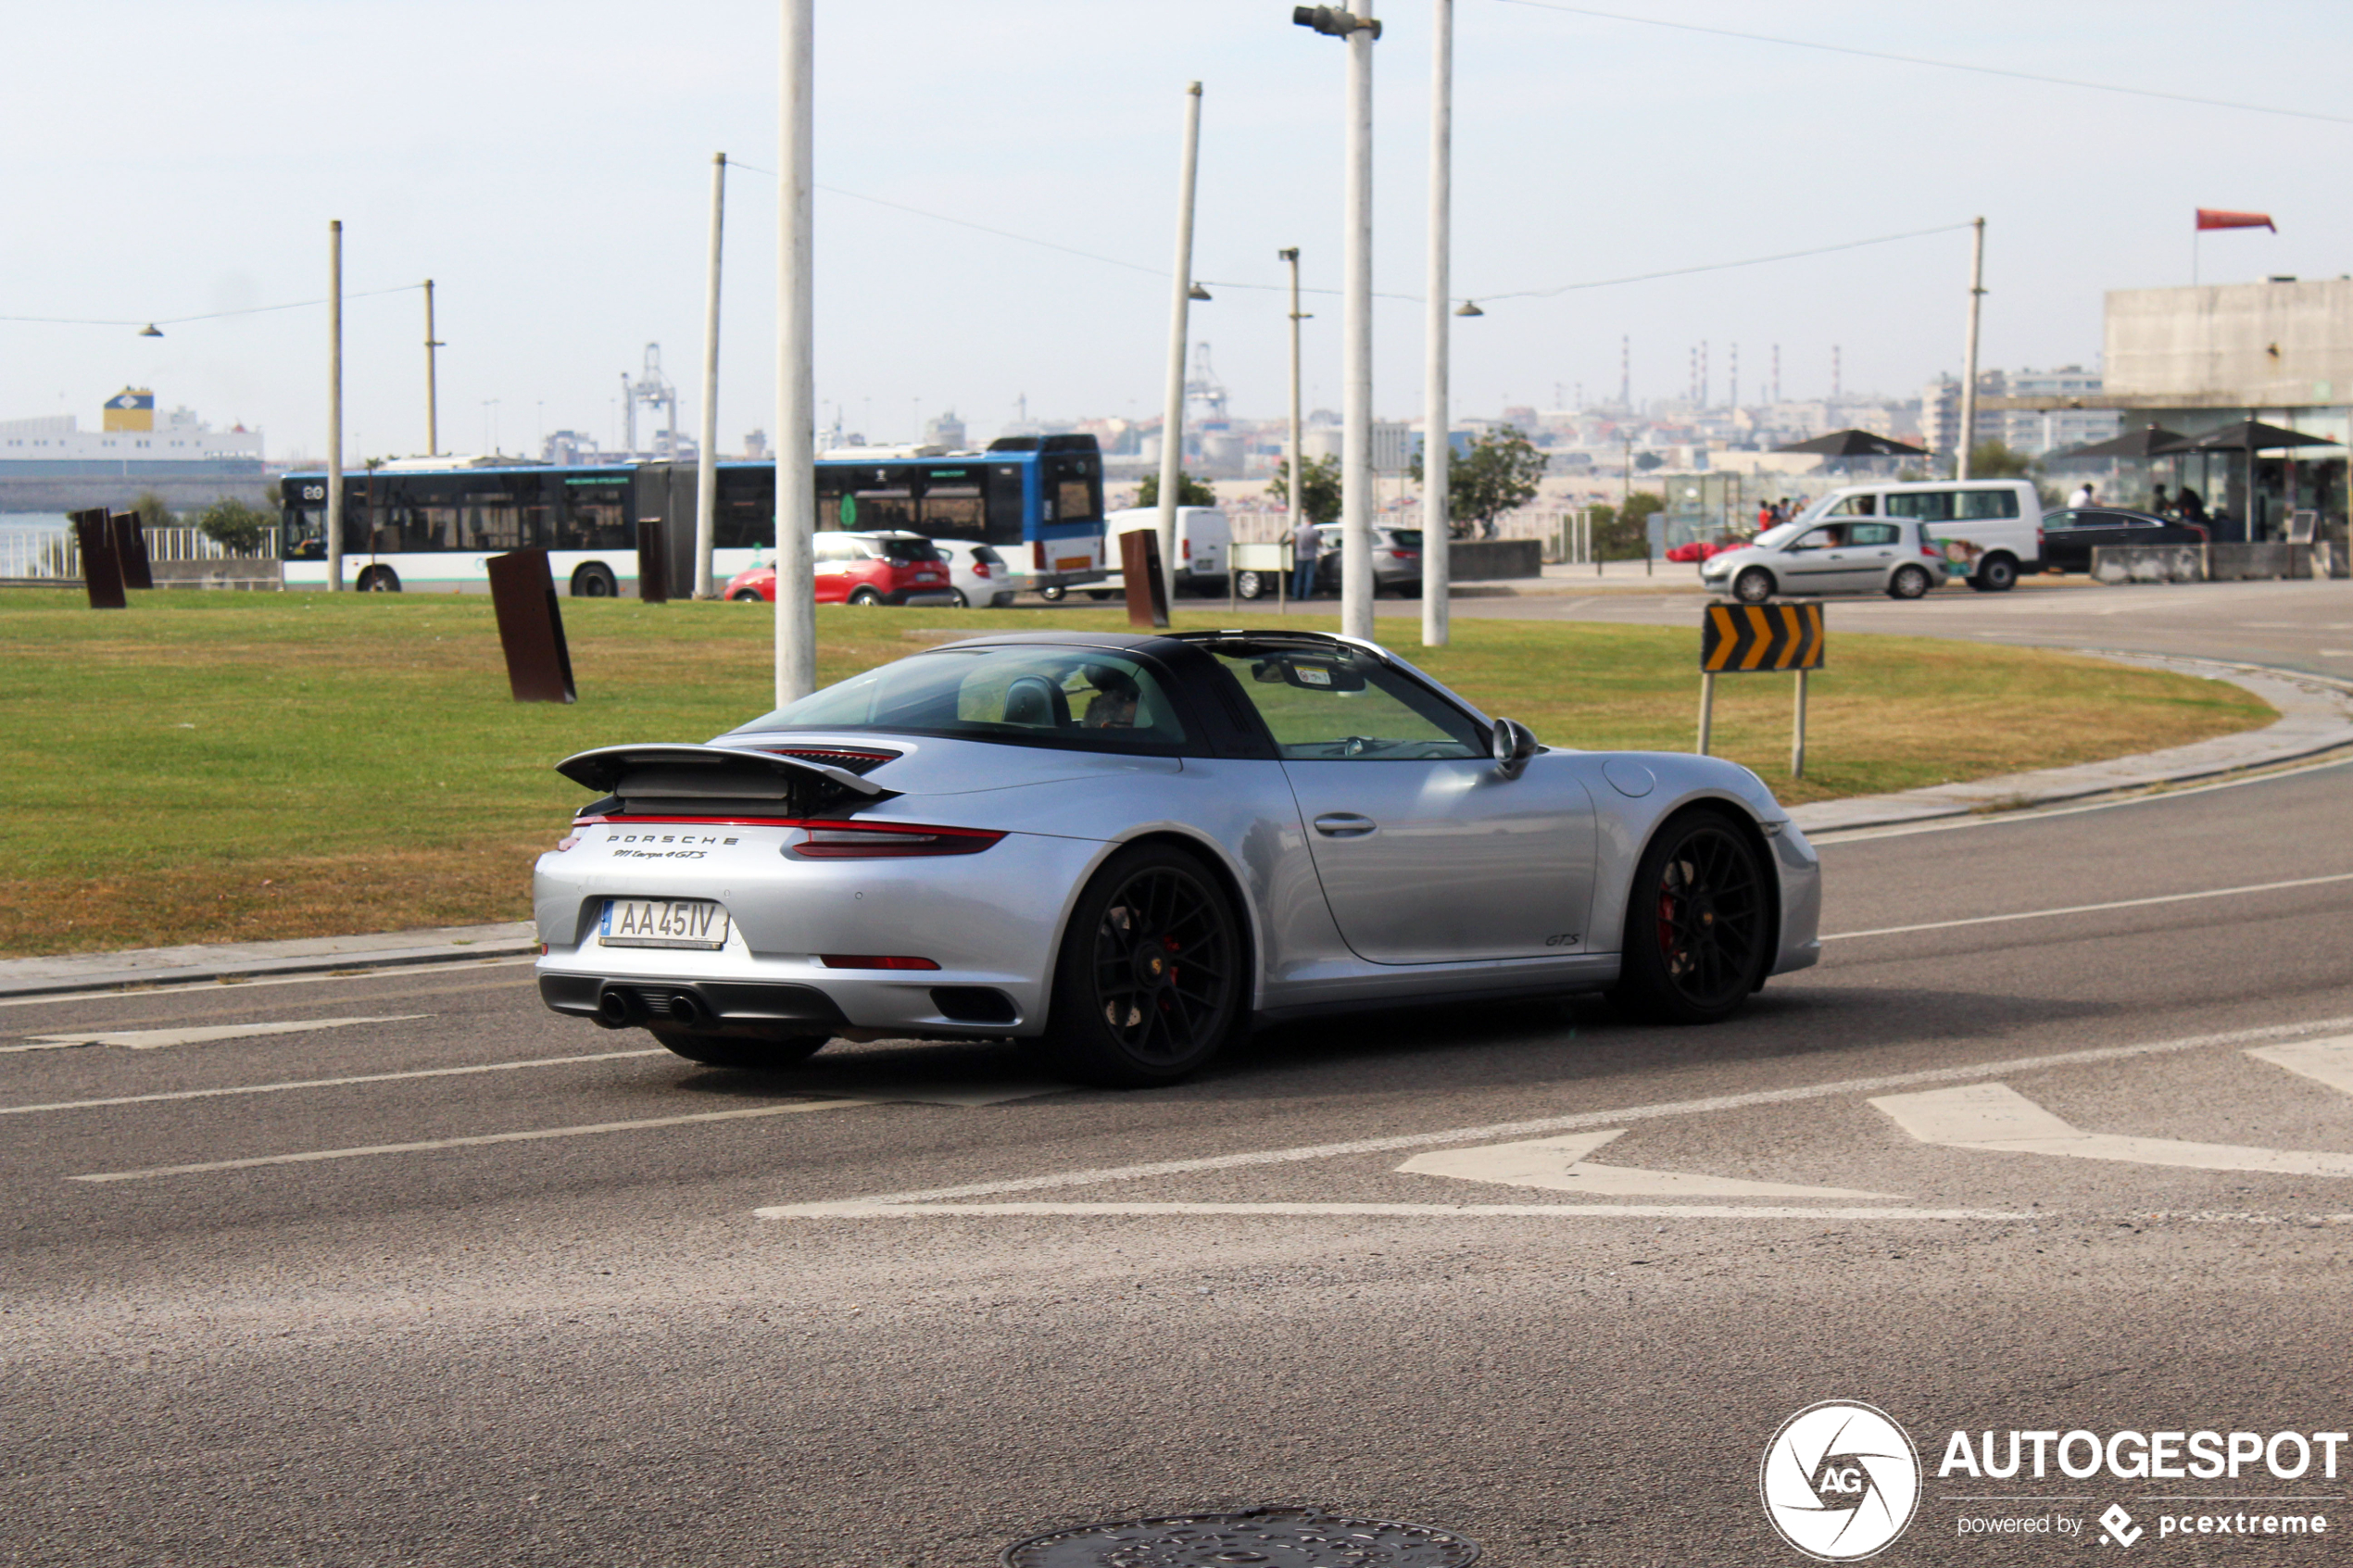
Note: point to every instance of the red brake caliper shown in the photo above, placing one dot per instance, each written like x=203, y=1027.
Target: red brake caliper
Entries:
x=1667, y=924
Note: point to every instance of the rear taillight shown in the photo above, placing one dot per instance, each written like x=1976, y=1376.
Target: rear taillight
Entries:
x=875, y=841
x=1186, y=548
x=1406, y=555
x=980, y=569
x=873, y=961
x=1929, y=551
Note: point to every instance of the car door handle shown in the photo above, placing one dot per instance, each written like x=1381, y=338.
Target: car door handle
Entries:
x=1344, y=825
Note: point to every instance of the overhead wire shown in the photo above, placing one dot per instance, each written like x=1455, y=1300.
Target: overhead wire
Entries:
x=1932, y=62
x=210, y=314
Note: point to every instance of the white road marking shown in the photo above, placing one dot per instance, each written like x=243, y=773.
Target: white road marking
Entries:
x=322, y=1083
x=868, y=1209
x=1580, y=1120
x=309, y=1156
x=2324, y=1062
x=156, y=1039
x=1559, y=1165
x=2093, y=908
x=1998, y=1120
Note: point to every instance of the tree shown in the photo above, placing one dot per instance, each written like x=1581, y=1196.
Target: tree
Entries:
x=1191, y=492
x=1499, y=473
x=1319, y=490
x=1645, y=461
x=234, y=525
x=1994, y=459
x=1625, y=536
x=152, y=512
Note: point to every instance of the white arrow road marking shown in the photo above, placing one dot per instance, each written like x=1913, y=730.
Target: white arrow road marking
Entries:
x=1997, y=1117
x=1559, y=1165
x=155, y=1039
x=2324, y=1062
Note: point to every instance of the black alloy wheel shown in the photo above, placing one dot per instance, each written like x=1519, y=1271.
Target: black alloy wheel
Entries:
x=1149, y=981
x=1909, y=582
x=1754, y=586
x=752, y=1055
x=1697, y=923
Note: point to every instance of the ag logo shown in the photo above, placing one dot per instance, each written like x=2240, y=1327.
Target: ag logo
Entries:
x=1840, y=1481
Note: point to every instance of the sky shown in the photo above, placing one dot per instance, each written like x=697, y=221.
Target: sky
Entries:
x=548, y=166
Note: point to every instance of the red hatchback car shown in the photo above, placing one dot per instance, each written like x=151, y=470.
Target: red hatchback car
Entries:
x=862, y=569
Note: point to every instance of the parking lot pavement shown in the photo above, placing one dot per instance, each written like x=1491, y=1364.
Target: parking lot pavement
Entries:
x=2306, y=625
x=398, y=1267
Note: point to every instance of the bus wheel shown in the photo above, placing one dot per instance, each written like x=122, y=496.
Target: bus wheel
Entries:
x=865, y=597
x=379, y=580
x=593, y=582
x=1053, y=595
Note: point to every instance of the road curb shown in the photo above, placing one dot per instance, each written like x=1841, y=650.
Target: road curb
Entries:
x=231, y=962
x=2310, y=725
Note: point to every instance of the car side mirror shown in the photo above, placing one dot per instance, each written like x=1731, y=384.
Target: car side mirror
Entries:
x=1514, y=743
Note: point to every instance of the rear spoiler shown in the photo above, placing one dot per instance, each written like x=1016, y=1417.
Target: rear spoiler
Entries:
x=718, y=772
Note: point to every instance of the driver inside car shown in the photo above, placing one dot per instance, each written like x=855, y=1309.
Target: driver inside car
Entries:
x=1116, y=700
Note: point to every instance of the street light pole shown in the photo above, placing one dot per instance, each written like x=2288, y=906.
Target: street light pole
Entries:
x=1172, y=419
x=432, y=392
x=796, y=370
x=707, y=450
x=1968, y=356
x=1356, y=372
x=334, y=406
x=1298, y=485
x=1437, y=421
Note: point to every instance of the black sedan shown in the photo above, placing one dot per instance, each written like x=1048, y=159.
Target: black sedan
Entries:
x=2070, y=535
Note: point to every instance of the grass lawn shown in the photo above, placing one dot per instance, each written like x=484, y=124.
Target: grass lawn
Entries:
x=225, y=766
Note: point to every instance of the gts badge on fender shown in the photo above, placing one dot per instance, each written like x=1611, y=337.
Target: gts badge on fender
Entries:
x=1566, y=939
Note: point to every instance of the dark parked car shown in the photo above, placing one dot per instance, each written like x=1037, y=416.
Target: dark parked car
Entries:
x=2069, y=536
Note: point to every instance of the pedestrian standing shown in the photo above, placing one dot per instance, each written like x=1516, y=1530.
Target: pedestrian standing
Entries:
x=1306, y=543
x=2157, y=501
x=2084, y=497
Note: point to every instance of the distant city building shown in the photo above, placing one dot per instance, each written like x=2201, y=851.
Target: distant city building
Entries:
x=945, y=430
x=2030, y=433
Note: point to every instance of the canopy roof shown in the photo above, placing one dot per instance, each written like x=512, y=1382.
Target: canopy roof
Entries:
x=1855, y=443
x=2248, y=435
x=2149, y=443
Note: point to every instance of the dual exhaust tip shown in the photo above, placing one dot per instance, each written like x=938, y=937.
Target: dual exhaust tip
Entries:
x=637, y=1007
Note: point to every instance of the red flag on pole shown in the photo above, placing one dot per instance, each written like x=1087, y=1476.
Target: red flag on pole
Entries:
x=2213, y=218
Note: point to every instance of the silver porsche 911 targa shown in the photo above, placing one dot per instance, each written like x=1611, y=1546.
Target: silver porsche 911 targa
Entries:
x=1127, y=850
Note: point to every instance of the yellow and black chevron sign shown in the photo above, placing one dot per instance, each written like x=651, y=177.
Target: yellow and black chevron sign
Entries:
x=1743, y=637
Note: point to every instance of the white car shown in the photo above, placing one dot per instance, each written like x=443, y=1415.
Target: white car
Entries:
x=1989, y=529
x=979, y=574
x=1843, y=555
x=1203, y=536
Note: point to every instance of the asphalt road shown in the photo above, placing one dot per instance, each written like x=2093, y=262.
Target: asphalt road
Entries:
x=274, y=1335
x=2306, y=626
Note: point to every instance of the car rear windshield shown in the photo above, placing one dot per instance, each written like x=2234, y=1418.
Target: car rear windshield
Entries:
x=908, y=549
x=1407, y=538
x=1081, y=698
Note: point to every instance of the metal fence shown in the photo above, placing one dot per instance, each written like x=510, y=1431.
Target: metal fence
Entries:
x=39, y=557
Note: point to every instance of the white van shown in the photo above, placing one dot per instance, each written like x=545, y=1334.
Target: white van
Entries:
x=1203, y=536
x=1990, y=529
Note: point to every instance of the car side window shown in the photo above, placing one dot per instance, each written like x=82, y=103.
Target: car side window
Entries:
x=1855, y=506
x=1928, y=506
x=2054, y=523
x=1977, y=504
x=1340, y=705
x=1872, y=533
x=1830, y=536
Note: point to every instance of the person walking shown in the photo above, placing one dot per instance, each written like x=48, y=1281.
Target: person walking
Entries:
x=1306, y=543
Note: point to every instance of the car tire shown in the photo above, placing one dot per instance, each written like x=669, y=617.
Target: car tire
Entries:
x=1753, y=586
x=1002, y=601
x=1099, y=595
x=750, y=1056
x=1908, y=583
x=593, y=582
x=1053, y=595
x=1698, y=921
x=865, y=597
x=1249, y=584
x=1148, y=981
x=1994, y=574
x=746, y=595
x=956, y=599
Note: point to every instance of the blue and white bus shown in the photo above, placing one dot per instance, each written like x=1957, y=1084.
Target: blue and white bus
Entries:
x=1037, y=499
